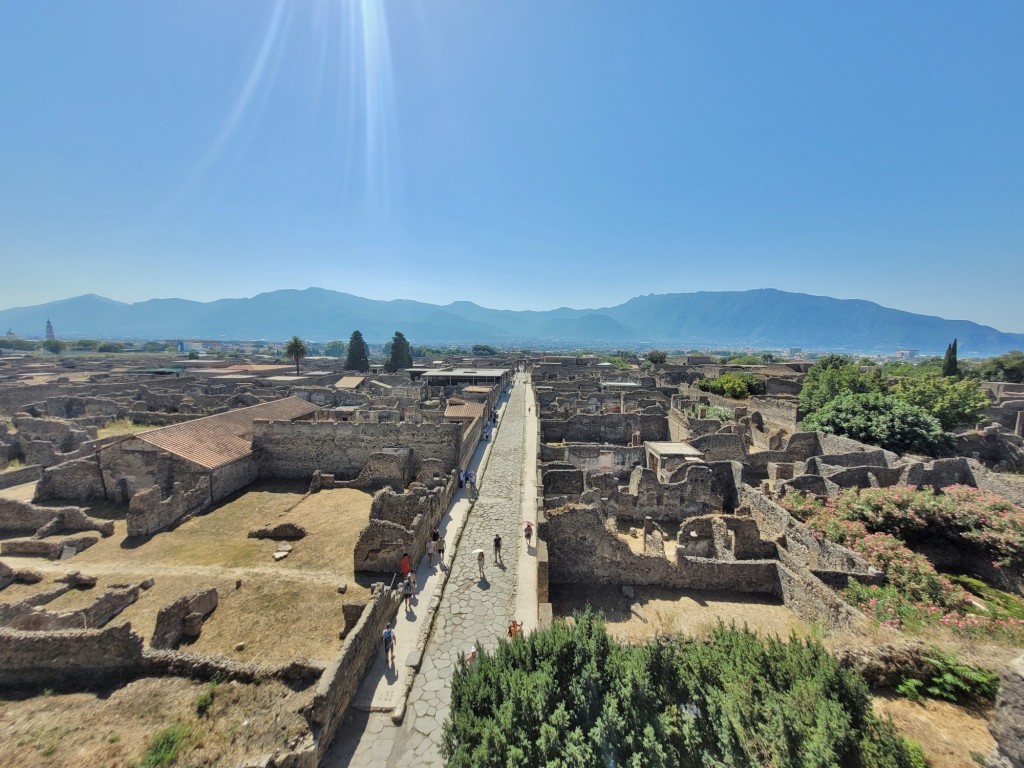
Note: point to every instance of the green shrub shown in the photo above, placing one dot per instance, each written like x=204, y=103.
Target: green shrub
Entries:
x=571, y=696
x=738, y=386
x=910, y=689
x=205, y=700
x=164, y=747
x=959, y=682
x=881, y=420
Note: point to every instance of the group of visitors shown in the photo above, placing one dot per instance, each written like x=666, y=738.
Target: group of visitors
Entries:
x=435, y=546
x=467, y=478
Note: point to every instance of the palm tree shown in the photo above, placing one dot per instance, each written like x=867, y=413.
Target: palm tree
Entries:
x=296, y=350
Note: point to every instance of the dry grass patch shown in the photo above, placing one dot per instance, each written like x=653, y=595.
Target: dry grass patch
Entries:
x=678, y=611
x=283, y=610
x=85, y=729
x=952, y=736
x=122, y=427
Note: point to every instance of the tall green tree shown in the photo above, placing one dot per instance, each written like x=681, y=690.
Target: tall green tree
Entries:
x=358, y=358
x=954, y=402
x=401, y=357
x=295, y=350
x=334, y=348
x=830, y=377
x=949, y=364
x=1008, y=367
x=571, y=696
x=882, y=420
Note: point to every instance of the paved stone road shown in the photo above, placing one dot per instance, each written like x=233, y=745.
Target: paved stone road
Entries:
x=472, y=610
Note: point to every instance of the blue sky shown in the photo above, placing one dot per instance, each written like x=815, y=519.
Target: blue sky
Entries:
x=522, y=155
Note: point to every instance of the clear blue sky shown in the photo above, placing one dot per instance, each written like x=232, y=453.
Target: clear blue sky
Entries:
x=522, y=155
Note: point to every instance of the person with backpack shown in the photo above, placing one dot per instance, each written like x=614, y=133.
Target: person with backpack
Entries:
x=389, y=646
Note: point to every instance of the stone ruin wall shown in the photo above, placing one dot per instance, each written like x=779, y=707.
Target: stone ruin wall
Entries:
x=340, y=681
x=582, y=550
x=26, y=518
x=294, y=450
x=614, y=428
x=149, y=511
x=399, y=523
x=68, y=659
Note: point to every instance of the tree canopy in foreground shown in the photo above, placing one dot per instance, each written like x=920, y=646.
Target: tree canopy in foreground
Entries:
x=572, y=696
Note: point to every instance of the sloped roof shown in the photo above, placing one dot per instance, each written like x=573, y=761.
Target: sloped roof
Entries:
x=214, y=441
x=463, y=411
x=349, y=382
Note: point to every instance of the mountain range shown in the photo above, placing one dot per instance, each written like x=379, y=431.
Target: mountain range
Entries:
x=757, y=319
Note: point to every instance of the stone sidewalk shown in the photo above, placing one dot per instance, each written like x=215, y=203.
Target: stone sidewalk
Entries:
x=472, y=610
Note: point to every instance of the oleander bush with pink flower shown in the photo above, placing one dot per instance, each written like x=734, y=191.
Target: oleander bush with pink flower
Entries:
x=872, y=523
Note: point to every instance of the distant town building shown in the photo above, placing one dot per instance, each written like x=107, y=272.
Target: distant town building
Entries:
x=906, y=354
x=796, y=352
x=50, y=336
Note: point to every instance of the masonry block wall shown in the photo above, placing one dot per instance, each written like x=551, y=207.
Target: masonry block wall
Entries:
x=68, y=658
x=296, y=449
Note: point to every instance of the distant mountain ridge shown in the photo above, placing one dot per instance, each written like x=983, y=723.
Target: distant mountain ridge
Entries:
x=764, y=318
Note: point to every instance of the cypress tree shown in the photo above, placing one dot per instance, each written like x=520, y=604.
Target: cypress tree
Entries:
x=400, y=355
x=358, y=358
x=949, y=362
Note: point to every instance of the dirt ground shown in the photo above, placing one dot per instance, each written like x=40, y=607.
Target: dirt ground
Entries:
x=952, y=736
x=669, y=611
x=113, y=730
x=283, y=610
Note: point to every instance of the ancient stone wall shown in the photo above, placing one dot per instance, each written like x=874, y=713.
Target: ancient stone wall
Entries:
x=615, y=428
x=799, y=548
x=297, y=449
x=51, y=550
x=182, y=618
x=1007, y=724
x=79, y=479
x=812, y=601
x=582, y=550
x=149, y=512
x=721, y=447
x=391, y=468
x=27, y=474
x=670, y=501
x=231, y=477
x=68, y=659
x=401, y=523
x=341, y=679
x=24, y=517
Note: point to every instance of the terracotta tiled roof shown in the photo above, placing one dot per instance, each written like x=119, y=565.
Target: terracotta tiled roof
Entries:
x=214, y=441
x=464, y=411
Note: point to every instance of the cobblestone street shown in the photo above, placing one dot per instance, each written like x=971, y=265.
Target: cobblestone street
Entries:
x=473, y=610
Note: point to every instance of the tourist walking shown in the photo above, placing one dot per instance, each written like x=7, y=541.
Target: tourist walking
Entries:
x=528, y=533
x=431, y=547
x=497, y=548
x=407, y=590
x=440, y=552
x=480, y=562
x=389, y=646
